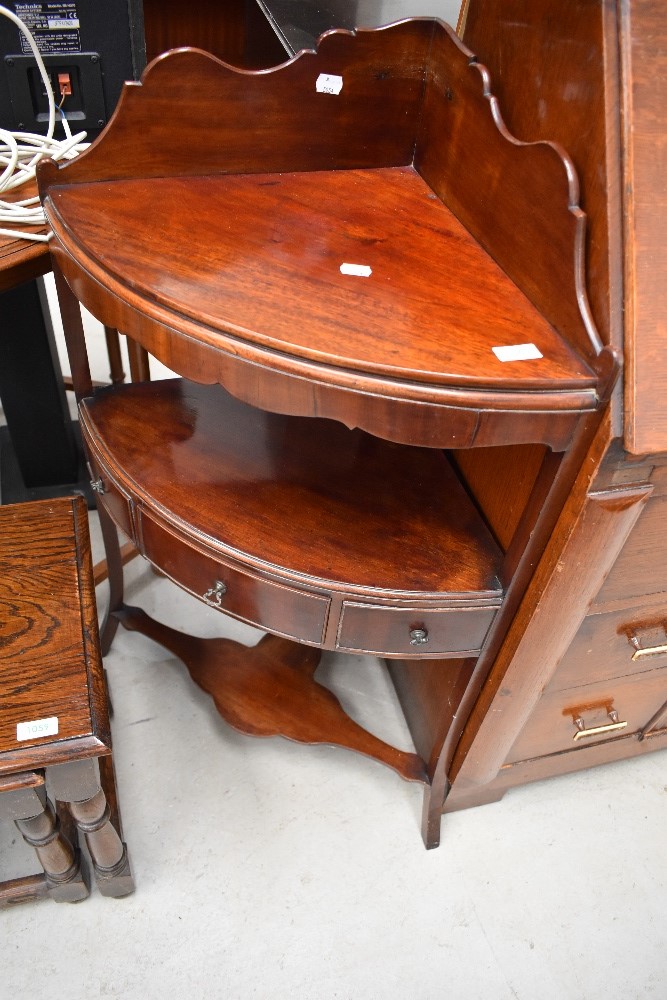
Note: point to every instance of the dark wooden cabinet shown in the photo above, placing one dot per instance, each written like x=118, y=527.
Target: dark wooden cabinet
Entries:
x=398, y=429
x=589, y=685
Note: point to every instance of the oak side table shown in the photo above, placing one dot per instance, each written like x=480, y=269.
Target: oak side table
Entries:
x=54, y=724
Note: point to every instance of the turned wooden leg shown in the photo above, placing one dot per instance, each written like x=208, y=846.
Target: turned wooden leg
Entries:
x=116, y=373
x=23, y=799
x=139, y=361
x=114, y=561
x=78, y=785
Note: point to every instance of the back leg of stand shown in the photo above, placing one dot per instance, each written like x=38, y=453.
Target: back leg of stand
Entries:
x=115, y=575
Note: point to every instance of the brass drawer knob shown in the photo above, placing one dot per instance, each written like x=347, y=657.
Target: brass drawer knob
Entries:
x=97, y=485
x=609, y=727
x=418, y=636
x=215, y=594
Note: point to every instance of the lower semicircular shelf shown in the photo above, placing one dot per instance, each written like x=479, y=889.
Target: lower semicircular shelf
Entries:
x=302, y=527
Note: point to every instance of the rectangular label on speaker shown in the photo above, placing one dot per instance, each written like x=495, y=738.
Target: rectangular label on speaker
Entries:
x=54, y=26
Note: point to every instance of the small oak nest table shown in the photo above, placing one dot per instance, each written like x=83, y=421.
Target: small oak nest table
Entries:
x=361, y=278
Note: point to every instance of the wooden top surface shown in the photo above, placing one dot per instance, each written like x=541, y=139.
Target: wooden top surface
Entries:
x=321, y=505
x=49, y=658
x=258, y=257
x=22, y=260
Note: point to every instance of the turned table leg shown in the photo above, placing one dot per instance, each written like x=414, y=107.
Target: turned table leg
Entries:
x=78, y=785
x=23, y=799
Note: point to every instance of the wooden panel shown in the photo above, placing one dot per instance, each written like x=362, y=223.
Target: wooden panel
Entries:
x=50, y=665
x=241, y=122
x=553, y=65
x=388, y=631
x=524, y=209
x=272, y=606
x=235, y=31
x=501, y=481
x=551, y=728
x=556, y=602
x=538, y=768
x=430, y=692
x=602, y=648
x=641, y=568
x=644, y=57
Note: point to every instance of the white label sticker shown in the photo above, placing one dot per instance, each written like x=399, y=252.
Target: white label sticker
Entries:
x=329, y=84
x=360, y=270
x=517, y=352
x=37, y=728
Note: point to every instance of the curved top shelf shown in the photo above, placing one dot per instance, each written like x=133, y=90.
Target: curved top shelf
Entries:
x=220, y=247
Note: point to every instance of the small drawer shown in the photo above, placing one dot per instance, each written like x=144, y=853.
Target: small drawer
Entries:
x=113, y=498
x=273, y=606
x=616, y=644
x=391, y=631
x=641, y=567
x=569, y=720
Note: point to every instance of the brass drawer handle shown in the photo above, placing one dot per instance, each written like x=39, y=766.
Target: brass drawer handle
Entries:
x=215, y=594
x=610, y=727
x=97, y=485
x=418, y=636
x=641, y=651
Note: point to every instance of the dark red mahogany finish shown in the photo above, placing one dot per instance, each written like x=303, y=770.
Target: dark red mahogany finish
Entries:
x=218, y=245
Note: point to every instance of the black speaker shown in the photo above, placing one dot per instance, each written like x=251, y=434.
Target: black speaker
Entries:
x=89, y=49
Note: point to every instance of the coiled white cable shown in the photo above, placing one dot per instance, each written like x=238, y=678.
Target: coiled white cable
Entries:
x=20, y=152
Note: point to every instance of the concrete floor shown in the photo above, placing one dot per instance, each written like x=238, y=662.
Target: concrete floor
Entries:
x=270, y=870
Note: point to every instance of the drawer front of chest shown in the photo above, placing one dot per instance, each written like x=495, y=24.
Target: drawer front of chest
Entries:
x=568, y=720
x=269, y=605
x=641, y=568
x=391, y=631
x=616, y=644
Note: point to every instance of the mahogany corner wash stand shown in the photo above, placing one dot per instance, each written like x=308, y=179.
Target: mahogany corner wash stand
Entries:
x=364, y=280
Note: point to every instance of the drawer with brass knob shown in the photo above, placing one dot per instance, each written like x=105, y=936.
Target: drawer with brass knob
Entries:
x=616, y=644
x=397, y=631
x=254, y=599
x=569, y=720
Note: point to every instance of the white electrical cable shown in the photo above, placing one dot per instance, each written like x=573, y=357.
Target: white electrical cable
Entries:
x=20, y=152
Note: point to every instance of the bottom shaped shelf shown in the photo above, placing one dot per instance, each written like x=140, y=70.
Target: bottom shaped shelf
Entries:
x=270, y=690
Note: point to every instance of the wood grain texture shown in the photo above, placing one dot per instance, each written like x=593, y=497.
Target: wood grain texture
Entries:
x=642, y=565
x=554, y=70
x=222, y=482
x=644, y=57
x=49, y=654
x=282, y=237
x=301, y=199
x=525, y=209
x=602, y=648
x=539, y=768
x=551, y=727
x=401, y=411
x=561, y=591
x=22, y=260
x=270, y=121
x=240, y=34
